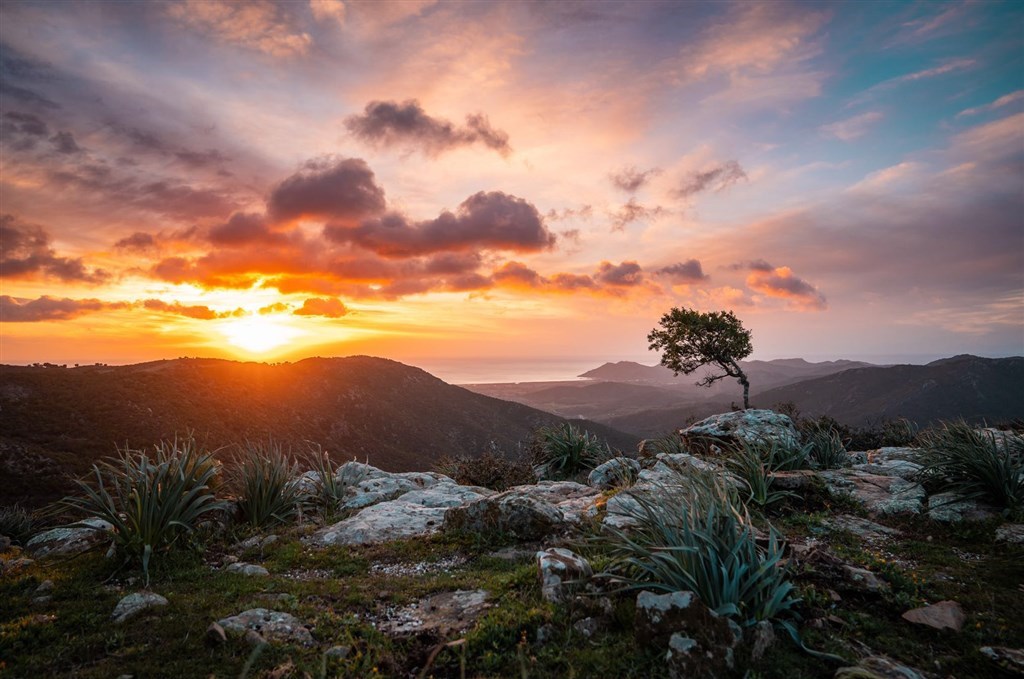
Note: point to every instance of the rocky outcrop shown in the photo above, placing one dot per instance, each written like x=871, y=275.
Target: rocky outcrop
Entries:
x=729, y=429
x=879, y=494
x=272, y=626
x=247, y=569
x=70, y=540
x=951, y=508
x=512, y=512
x=618, y=471
x=393, y=520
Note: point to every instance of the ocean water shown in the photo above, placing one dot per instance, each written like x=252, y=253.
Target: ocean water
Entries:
x=491, y=370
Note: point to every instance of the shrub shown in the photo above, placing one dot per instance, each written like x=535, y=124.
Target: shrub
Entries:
x=975, y=464
x=698, y=537
x=827, y=450
x=266, y=481
x=17, y=523
x=151, y=502
x=327, y=490
x=489, y=470
x=669, y=444
x=749, y=465
x=564, y=451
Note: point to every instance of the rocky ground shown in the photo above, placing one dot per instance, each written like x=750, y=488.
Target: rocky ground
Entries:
x=426, y=577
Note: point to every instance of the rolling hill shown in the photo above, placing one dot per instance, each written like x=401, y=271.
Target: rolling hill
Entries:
x=55, y=421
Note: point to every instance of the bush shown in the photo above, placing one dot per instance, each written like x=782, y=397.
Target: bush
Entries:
x=564, y=451
x=327, y=489
x=975, y=464
x=698, y=537
x=266, y=481
x=489, y=470
x=151, y=502
x=752, y=465
x=17, y=523
x=827, y=450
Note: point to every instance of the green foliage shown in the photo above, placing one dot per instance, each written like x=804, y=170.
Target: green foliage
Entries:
x=975, y=464
x=150, y=501
x=328, y=488
x=699, y=537
x=752, y=465
x=669, y=444
x=564, y=451
x=489, y=470
x=266, y=481
x=17, y=523
x=689, y=339
x=827, y=450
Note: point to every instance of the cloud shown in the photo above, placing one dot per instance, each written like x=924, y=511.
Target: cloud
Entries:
x=851, y=128
x=200, y=312
x=780, y=282
x=48, y=308
x=689, y=271
x=255, y=25
x=244, y=228
x=486, y=221
x=630, y=179
x=1004, y=100
x=64, y=142
x=626, y=274
x=718, y=178
x=570, y=282
x=138, y=242
x=632, y=211
x=27, y=253
x=338, y=190
x=949, y=66
x=388, y=123
x=584, y=212
x=22, y=131
x=330, y=307
x=275, y=308
x=518, y=274
x=327, y=10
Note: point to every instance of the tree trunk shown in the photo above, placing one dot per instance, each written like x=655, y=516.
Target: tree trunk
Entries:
x=746, y=392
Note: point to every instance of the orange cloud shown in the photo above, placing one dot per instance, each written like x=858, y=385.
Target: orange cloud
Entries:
x=330, y=307
x=781, y=283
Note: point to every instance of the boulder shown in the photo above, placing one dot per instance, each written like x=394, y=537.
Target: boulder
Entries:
x=699, y=643
x=862, y=580
x=136, y=603
x=445, y=494
x=950, y=508
x=732, y=428
x=557, y=567
x=892, y=453
x=618, y=471
x=272, y=626
x=440, y=615
x=383, y=522
x=941, y=615
x=621, y=511
x=879, y=494
x=70, y=540
x=243, y=568
x=514, y=512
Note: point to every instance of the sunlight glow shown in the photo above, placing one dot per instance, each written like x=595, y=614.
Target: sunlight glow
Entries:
x=258, y=334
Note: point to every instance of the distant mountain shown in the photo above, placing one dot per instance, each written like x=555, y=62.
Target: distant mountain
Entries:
x=990, y=389
x=55, y=420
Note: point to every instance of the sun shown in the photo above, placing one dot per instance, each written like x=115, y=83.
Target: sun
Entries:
x=258, y=334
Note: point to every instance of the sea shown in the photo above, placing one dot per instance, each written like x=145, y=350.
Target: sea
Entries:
x=506, y=370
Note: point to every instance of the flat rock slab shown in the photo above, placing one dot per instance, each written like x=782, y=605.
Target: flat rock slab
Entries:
x=949, y=508
x=942, y=615
x=273, y=626
x=70, y=540
x=862, y=528
x=901, y=468
x=439, y=615
x=445, y=495
x=1012, y=533
x=247, y=569
x=879, y=494
x=1010, y=659
x=744, y=425
x=136, y=603
x=392, y=520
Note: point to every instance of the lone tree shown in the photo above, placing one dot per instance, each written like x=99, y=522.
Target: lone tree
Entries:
x=689, y=339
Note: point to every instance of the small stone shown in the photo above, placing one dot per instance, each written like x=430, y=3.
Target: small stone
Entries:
x=5, y=543
x=557, y=567
x=863, y=579
x=41, y=600
x=136, y=603
x=44, y=587
x=253, y=638
x=587, y=627
x=619, y=471
x=230, y=559
x=941, y=615
x=70, y=540
x=1010, y=659
x=215, y=635
x=247, y=569
x=1012, y=533
x=338, y=651
x=273, y=626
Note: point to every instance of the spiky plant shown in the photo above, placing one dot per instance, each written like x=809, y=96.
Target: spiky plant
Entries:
x=751, y=465
x=265, y=478
x=564, y=451
x=17, y=523
x=828, y=451
x=669, y=444
x=976, y=464
x=329, y=487
x=150, y=501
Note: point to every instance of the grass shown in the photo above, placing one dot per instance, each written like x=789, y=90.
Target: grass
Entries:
x=488, y=470
x=565, y=451
x=265, y=480
x=329, y=489
x=17, y=523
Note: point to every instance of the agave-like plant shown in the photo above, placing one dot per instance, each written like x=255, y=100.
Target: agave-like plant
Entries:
x=265, y=479
x=976, y=464
x=698, y=536
x=748, y=464
x=150, y=501
x=564, y=451
x=329, y=485
x=17, y=523
x=828, y=451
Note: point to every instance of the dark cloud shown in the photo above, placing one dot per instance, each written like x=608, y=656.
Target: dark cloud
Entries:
x=203, y=313
x=716, y=179
x=570, y=282
x=517, y=273
x=27, y=253
x=48, y=308
x=64, y=142
x=626, y=274
x=633, y=211
x=339, y=190
x=631, y=180
x=780, y=282
x=689, y=271
x=484, y=221
x=449, y=263
x=244, y=228
x=330, y=307
x=138, y=242
x=201, y=158
x=389, y=123
x=582, y=212
x=22, y=131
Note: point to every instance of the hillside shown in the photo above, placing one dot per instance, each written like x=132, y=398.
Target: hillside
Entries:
x=975, y=388
x=397, y=417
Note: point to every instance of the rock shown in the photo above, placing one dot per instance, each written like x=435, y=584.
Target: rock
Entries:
x=949, y=508
x=253, y=638
x=70, y=540
x=392, y=520
x=256, y=541
x=901, y=468
x=41, y=600
x=229, y=559
x=556, y=567
x=445, y=495
x=44, y=587
x=513, y=554
x=621, y=511
x=338, y=652
x=618, y=471
x=941, y=615
x=5, y=543
x=879, y=494
x=1012, y=533
x=760, y=638
x=273, y=626
x=659, y=616
x=797, y=480
x=215, y=635
x=665, y=469
x=1009, y=659
x=744, y=425
x=136, y=603
x=862, y=528
x=441, y=614
x=247, y=569
x=857, y=456
x=891, y=453
x=878, y=667
x=862, y=579
x=587, y=627
x=513, y=511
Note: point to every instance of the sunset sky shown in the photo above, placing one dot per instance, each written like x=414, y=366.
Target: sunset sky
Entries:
x=429, y=180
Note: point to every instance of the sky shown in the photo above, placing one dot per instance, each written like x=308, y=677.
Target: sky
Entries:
x=444, y=181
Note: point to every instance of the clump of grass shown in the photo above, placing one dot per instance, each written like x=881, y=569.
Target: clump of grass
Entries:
x=266, y=481
x=489, y=470
x=564, y=451
x=698, y=536
x=150, y=501
x=751, y=464
x=975, y=464
x=17, y=523
x=327, y=490
x=669, y=444
x=828, y=450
